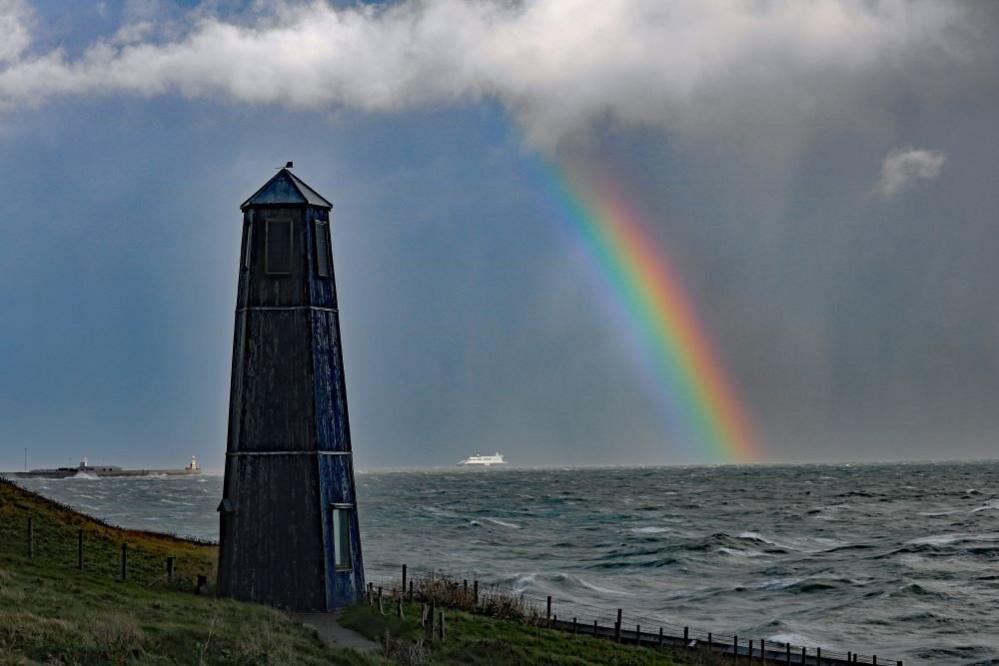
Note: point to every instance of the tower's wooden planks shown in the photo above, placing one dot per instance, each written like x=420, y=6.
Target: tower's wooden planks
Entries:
x=288, y=496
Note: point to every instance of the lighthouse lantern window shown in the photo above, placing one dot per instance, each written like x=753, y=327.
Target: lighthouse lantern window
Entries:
x=341, y=538
x=278, y=247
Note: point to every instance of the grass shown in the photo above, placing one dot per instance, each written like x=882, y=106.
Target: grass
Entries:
x=52, y=613
x=479, y=640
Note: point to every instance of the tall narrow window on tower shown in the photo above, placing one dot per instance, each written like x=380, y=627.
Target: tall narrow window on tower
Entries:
x=341, y=537
x=278, y=250
x=323, y=260
x=247, y=243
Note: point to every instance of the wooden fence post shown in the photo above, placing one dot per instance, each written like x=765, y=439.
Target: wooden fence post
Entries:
x=710, y=639
x=874, y=660
x=638, y=634
x=404, y=579
x=31, y=537
x=548, y=610
x=763, y=650
x=124, y=561
x=617, y=627
x=788, y=648
x=750, y=650
x=440, y=627
x=573, y=625
x=79, y=550
x=594, y=627
x=660, y=636
x=686, y=637
x=804, y=654
x=735, y=647
x=411, y=596
x=475, y=592
x=818, y=656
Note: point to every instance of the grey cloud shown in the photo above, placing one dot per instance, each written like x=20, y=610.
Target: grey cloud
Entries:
x=903, y=168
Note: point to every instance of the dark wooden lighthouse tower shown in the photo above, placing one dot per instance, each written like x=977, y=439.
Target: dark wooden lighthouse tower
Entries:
x=289, y=534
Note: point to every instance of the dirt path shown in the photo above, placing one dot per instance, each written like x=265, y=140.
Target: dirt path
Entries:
x=332, y=633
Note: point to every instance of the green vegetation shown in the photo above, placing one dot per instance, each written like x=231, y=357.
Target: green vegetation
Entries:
x=478, y=639
x=53, y=613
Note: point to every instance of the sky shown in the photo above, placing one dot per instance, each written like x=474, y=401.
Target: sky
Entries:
x=822, y=177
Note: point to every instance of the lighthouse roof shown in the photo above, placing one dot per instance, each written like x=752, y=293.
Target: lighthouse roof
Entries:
x=286, y=188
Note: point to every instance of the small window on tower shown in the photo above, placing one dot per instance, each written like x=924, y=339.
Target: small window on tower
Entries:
x=341, y=538
x=323, y=260
x=278, y=250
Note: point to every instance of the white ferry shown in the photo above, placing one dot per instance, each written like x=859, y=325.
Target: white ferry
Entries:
x=485, y=461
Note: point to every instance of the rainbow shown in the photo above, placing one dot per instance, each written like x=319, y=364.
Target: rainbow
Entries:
x=641, y=283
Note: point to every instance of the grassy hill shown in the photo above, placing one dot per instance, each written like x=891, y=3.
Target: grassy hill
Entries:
x=51, y=612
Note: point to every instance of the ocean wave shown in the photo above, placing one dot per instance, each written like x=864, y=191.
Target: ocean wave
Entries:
x=955, y=538
x=790, y=638
x=796, y=544
x=560, y=583
x=502, y=523
x=650, y=530
x=439, y=512
x=777, y=583
x=914, y=589
x=739, y=552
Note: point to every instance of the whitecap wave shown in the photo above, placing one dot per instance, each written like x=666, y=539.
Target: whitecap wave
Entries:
x=650, y=530
x=945, y=539
x=503, y=523
x=777, y=583
x=790, y=638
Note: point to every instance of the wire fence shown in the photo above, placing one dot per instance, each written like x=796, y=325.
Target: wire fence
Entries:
x=628, y=627
x=96, y=550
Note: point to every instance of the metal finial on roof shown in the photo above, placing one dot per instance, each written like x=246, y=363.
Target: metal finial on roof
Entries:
x=289, y=165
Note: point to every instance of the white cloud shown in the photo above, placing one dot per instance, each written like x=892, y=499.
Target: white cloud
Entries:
x=903, y=167
x=14, y=18
x=694, y=66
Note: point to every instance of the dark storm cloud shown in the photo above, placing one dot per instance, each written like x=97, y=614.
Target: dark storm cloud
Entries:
x=755, y=136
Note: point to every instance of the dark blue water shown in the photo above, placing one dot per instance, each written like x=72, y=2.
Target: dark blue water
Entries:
x=900, y=560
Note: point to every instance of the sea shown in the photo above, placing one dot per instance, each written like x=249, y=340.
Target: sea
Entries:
x=899, y=560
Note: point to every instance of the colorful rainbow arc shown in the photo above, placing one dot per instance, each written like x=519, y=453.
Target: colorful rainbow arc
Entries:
x=642, y=280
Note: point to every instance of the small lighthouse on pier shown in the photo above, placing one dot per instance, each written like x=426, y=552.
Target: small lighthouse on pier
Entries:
x=288, y=517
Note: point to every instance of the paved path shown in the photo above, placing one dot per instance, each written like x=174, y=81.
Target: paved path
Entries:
x=333, y=634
